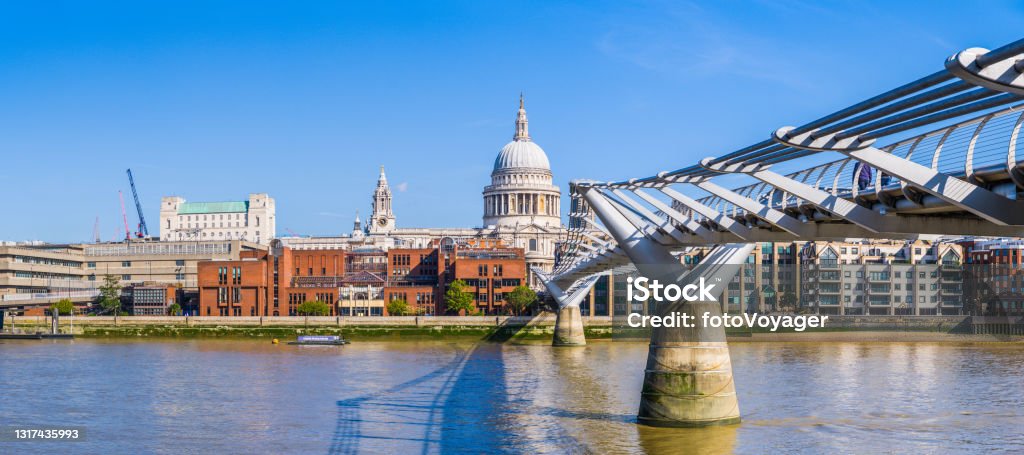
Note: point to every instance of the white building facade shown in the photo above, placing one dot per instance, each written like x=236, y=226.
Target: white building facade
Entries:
x=252, y=220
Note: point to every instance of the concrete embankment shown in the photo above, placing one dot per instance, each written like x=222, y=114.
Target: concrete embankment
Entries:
x=414, y=327
x=498, y=328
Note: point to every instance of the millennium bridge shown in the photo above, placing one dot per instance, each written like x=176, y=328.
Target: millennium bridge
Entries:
x=933, y=156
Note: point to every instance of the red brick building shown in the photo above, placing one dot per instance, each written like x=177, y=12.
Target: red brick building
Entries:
x=491, y=270
x=359, y=283
x=422, y=276
x=996, y=270
x=263, y=284
x=306, y=275
x=413, y=275
x=234, y=287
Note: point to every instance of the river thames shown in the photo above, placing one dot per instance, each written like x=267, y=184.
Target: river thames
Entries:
x=234, y=396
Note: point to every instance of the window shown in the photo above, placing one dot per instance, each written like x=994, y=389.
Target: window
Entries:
x=92, y=277
x=179, y=276
x=126, y=277
x=179, y=262
x=126, y=263
x=91, y=265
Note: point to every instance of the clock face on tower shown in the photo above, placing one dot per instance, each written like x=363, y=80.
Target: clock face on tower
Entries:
x=382, y=222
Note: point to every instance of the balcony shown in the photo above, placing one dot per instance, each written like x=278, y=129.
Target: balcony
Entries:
x=828, y=301
x=828, y=288
x=952, y=288
x=876, y=289
x=956, y=277
x=879, y=301
x=829, y=276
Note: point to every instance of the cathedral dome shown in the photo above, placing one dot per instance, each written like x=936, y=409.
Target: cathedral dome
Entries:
x=520, y=154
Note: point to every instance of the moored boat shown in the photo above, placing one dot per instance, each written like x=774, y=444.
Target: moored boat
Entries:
x=319, y=340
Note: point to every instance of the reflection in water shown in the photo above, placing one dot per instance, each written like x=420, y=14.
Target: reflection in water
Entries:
x=439, y=397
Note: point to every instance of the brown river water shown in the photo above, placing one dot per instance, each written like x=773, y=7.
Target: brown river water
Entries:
x=238, y=396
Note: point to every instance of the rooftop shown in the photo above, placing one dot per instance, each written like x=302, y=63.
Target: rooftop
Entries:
x=194, y=208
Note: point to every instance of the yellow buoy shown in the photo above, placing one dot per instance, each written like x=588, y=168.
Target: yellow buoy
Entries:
x=275, y=341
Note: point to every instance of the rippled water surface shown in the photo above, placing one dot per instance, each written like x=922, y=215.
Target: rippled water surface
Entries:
x=216, y=396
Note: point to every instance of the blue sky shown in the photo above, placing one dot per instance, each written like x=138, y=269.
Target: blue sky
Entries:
x=213, y=100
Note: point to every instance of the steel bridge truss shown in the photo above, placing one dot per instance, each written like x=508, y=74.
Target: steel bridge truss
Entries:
x=961, y=176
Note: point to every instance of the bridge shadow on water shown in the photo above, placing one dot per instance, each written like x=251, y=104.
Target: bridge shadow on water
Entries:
x=509, y=328
x=480, y=401
x=393, y=414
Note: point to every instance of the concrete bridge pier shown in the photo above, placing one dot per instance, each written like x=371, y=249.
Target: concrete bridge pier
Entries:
x=569, y=320
x=569, y=327
x=688, y=378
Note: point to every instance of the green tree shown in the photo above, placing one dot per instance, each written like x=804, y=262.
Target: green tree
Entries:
x=62, y=306
x=174, y=309
x=458, y=298
x=520, y=299
x=398, y=307
x=787, y=301
x=110, y=295
x=314, y=308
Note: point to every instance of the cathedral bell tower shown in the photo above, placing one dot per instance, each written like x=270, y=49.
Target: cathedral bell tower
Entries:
x=382, y=220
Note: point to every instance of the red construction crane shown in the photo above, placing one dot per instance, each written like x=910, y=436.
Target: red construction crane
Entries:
x=124, y=214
